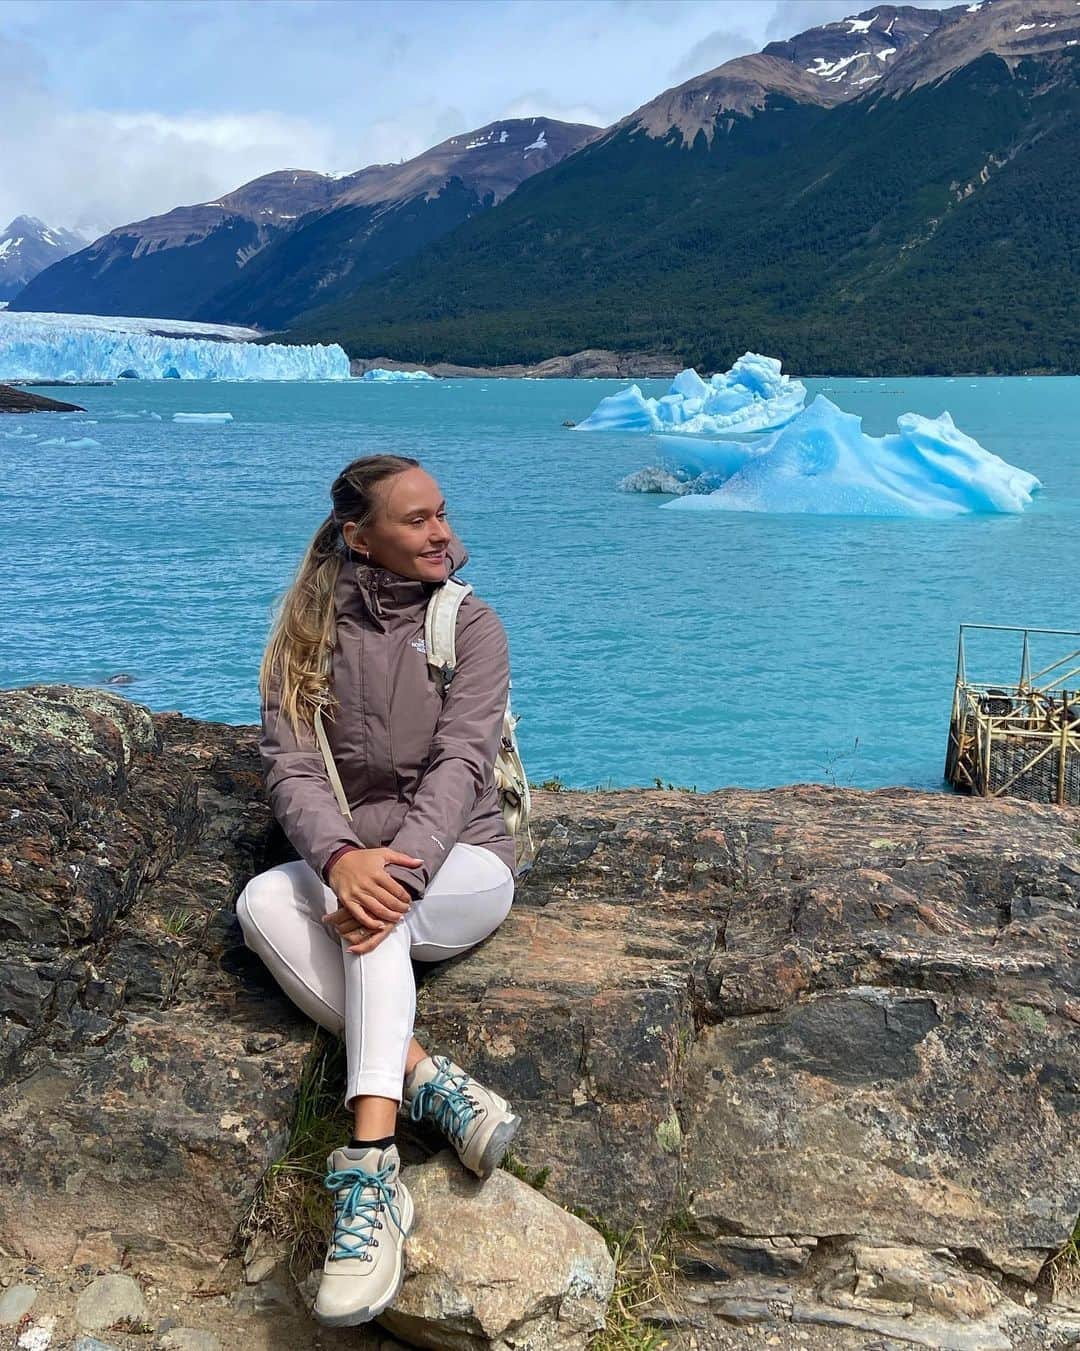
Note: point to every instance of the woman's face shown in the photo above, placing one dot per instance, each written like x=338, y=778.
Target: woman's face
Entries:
x=410, y=531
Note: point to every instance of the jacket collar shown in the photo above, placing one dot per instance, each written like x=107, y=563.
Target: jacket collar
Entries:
x=387, y=593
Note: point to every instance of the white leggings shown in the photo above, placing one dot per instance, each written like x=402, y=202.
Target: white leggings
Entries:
x=370, y=996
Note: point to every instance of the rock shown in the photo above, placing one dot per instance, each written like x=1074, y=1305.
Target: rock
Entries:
x=496, y=1264
x=92, y=1344
x=904, y=1276
x=786, y=1015
x=266, y=1296
x=308, y=1288
x=729, y=1255
x=744, y=1312
x=14, y=1302
x=935, y=1334
x=20, y=401
x=189, y=1339
x=261, y=1258
x=38, y=1336
x=260, y=1268
x=109, y=1300
x=129, y=1094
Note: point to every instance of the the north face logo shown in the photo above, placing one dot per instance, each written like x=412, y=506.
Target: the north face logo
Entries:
x=420, y=645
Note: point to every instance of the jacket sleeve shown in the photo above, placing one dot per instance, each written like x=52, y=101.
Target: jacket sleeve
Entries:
x=463, y=750
x=300, y=793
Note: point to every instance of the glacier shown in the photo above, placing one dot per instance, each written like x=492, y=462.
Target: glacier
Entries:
x=380, y=375
x=753, y=396
x=118, y=323
x=822, y=462
x=67, y=347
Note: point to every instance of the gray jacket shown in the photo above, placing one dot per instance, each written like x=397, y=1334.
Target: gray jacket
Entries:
x=417, y=766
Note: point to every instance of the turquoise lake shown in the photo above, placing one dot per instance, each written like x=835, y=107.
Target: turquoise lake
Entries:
x=703, y=649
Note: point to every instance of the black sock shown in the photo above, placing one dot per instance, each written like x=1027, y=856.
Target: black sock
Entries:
x=372, y=1144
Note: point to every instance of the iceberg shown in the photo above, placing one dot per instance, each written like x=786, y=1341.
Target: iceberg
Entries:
x=67, y=347
x=382, y=376
x=823, y=462
x=202, y=417
x=753, y=396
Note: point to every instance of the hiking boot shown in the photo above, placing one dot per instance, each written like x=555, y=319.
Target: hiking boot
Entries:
x=478, y=1123
x=373, y=1213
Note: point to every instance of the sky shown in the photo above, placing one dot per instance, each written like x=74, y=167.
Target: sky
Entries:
x=113, y=110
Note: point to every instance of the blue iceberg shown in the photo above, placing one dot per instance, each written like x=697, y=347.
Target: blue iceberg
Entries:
x=45, y=347
x=823, y=462
x=751, y=397
x=382, y=376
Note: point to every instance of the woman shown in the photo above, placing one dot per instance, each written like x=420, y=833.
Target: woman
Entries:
x=421, y=869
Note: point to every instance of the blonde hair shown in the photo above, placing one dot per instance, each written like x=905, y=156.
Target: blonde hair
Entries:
x=296, y=663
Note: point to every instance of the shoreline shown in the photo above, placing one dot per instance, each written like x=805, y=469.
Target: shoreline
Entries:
x=593, y=363
x=605, y=364
x=14, y=400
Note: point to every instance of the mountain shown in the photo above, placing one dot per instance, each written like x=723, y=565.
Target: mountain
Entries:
x=288, y=240
x=851, y=54
x=27, y=247
x=1011, y=29
x=924, y=221
x=389, y=212
x=167, y=265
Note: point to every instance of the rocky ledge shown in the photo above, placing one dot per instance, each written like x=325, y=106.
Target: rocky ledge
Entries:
x=14, y=400
x=830, y=1039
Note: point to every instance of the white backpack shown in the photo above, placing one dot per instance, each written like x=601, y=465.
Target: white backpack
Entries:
x=511, y=781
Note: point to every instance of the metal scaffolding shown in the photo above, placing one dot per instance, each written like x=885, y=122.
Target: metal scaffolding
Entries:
x=1023, y=739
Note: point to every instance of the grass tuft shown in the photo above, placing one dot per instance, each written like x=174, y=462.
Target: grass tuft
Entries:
x=534, y=1177
x=644, y=1277
x=179, y=923
x=292, y=1206
x=1065, y=1264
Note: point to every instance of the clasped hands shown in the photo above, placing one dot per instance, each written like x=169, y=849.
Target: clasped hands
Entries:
x=371, y=901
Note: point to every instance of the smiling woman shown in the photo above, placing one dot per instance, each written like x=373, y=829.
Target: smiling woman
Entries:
x=404, y=852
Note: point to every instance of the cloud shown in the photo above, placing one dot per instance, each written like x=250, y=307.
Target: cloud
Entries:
x=712, y=51
x=71, y=166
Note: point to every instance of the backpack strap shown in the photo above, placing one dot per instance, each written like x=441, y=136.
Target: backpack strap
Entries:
x=331, y=767
x=440, y=629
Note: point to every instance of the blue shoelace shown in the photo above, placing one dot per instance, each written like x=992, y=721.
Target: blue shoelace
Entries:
x=446, y=1101
x=358, y=1196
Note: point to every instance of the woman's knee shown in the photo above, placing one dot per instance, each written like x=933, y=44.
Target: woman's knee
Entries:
x=268, y=899
x=466, y=902
x=470, y=868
